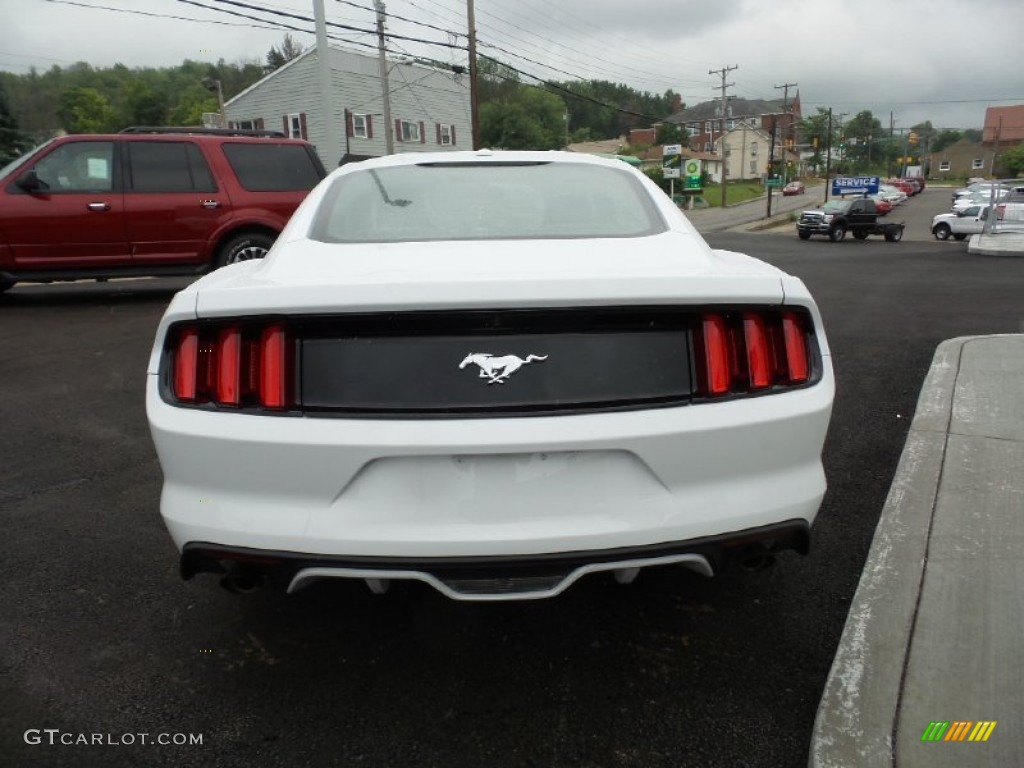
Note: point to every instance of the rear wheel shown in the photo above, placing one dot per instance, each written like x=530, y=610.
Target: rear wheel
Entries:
x=243, y=247
x=894, y=235
x=959, y=236
x=942, y=231
x=837, y=233
x=803, y=234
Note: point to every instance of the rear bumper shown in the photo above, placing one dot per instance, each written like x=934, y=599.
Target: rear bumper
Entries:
x=494, y=578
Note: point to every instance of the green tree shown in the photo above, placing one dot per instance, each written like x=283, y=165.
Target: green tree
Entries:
x=12, y=141
x=141, y=105
x=289, y=50
x=1012, y=160
x=945, y=138
x=814, y=130
x=672, y=133
x=86, y=110
x=530, y=119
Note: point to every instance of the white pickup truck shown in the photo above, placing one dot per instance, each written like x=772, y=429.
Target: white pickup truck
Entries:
x=971, y=221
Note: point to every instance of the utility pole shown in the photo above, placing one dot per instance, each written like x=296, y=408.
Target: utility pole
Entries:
x=828, y=155
x=382, y=62
x=723, y=72
x=771, y=160
x=474, y=103
x=332, y=147
x=788, y=128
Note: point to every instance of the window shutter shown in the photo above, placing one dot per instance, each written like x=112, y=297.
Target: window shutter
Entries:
x=438, y=126
x=451, y=131
x=423, y=132
x=284, y=122
x=350, y=128
x=398, y=130
x=369, y=126
x=302, y=125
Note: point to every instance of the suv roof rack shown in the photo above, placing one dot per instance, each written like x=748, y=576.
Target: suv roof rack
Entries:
x=202, y=130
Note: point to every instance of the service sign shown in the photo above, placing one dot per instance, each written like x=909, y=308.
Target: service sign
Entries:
x=855, y=185
x=671, y=160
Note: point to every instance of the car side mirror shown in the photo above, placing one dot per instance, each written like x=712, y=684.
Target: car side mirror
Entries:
x=30, y=182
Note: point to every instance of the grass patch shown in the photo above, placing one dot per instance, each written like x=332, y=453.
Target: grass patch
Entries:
x=735, y=192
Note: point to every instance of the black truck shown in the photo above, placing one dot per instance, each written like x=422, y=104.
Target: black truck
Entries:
x=837, y=217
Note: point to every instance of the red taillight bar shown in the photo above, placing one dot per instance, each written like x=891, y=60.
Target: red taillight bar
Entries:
x=186, y=366
x=749, y=351
x=233, y=365
x=273, y=371
x=796, y=347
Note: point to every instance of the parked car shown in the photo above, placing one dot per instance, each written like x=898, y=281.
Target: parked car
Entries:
x=794, y=188
x=882, y=206
x=980, y=188
x=908, y=188
x=891, y=194
x=153, y=202
x=492, y=372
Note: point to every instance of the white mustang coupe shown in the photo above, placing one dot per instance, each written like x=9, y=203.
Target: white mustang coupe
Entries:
x=493, y=372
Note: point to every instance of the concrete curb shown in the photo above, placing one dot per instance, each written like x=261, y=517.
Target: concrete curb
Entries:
x=998, y=244
x=858, y=718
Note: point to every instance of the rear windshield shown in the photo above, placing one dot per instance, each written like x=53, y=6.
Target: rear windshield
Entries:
x=485, y=201
x=274, y=167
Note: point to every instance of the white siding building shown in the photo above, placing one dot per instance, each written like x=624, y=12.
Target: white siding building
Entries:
x=429, y=107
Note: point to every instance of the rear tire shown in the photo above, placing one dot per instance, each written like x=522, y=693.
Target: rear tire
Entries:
x=894, y=235
x=942, y=231
x=837, y=233
x=244, y=247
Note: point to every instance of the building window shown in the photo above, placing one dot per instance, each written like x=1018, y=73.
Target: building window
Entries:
x=752, y=122
x=295, y=125
x=406, y=130
x=944, y=165
x=694, y=129
x=445, y=134
x=361, y=126
x=731, y=124
x=707, y=127
x=753, y=167
x=256, y=124
x=977, y=164
x=753, y=149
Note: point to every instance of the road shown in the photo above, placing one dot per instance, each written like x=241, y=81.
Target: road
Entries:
x=98, y=635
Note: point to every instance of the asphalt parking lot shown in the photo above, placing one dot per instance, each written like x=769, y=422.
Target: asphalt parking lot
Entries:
x=98, y=635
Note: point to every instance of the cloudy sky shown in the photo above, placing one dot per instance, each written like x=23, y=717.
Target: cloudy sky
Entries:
x=938, y=60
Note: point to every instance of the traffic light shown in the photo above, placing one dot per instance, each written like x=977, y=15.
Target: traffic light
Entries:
x=814, y=141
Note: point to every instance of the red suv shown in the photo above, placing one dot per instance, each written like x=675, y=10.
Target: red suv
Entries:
x=148, y=202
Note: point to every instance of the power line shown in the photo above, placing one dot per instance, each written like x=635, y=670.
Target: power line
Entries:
x=154, y=15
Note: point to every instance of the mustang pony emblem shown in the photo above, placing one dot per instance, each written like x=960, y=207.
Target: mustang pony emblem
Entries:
x=497, y=369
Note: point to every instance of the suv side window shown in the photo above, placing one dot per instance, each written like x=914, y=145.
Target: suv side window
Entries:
x=267, y=167
x=81, y=166
x=168, y=166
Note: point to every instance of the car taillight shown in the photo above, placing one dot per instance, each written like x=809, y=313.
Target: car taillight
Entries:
x=233, y=365
x=749, y=351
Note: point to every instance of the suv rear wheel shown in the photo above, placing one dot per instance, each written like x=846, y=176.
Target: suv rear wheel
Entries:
x=242, y=247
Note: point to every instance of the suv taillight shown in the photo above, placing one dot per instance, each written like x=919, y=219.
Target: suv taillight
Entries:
x=750, y=351
x=233, y=365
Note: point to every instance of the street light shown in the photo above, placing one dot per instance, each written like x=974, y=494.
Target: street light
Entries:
x=213, y=85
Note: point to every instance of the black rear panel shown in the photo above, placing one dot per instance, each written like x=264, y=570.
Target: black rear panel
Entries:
x=488, y=362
